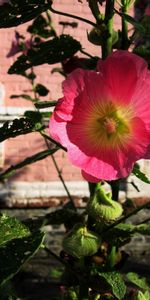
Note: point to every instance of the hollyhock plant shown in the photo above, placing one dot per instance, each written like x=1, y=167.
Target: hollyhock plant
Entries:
x=104, y=117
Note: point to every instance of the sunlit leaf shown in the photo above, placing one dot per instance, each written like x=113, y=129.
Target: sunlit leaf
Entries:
x=139, y=174
x=11, y=228
x=138, y=281
x=115, y=280
x=16, y=252
x=19, y=12
x=16, y=127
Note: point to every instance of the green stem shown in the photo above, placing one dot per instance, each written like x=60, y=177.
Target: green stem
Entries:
x=121, y=220
x=112, y=257
x=63, y=182
x=125, y=41
x=95, y=10
x=107, y=44
x=52, y=141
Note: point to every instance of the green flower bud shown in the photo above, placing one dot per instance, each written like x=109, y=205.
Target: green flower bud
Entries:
x=80, y=242
x=102, y=208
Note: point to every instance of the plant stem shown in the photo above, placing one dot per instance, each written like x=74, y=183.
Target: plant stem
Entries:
x=87, y=54
x=107, y=43
x=63, y=182
x=71, y=16
x=52, y=141
x=125, y=41
x=112, y=257
x=145, y=205
x=95, y=10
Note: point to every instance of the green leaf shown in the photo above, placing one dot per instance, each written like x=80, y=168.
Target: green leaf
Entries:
x=29, y=160
x=52, y=51
x=143, y=229
x=45, y=104
x=120, y=234
x=147, y=295
x=116, y=283
x=20, y=65
x=16, y=252
x=16, y=127
x=140, y=282
x=143, y=51
x=11, y=228
x=19, y=12
x=35, y=116
x=137, y=25
x=24, y=96
x=41, y=90
x=136, y=171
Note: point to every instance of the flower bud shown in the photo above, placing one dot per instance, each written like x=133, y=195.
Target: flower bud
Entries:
x=102, y=208
x=80, y=241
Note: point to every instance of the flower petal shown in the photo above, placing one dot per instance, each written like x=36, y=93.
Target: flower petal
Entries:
x=121, y=71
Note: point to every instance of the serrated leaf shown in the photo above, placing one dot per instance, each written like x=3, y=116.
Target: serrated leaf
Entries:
x=116, y=283
x=11, y=228
x=52, y=51
x=16, y=252
x=140, y=282
x=19, y=12
x=139, y=174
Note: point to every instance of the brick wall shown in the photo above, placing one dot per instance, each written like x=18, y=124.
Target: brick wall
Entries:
x=17, y=149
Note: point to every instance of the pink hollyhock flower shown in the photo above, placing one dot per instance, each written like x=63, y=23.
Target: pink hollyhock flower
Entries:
x=104, y=117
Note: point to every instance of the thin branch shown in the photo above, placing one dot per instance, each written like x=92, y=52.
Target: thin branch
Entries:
x=145, y=205
x=50, y=252
x=52, y=141
x=63, y=182
x=61, y=177
x=87, y=54
x=71, y=16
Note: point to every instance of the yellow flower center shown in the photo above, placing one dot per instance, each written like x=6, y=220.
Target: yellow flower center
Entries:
x=109, y=126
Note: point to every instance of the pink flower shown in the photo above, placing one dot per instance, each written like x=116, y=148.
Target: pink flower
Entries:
x=147, y=11
x=104, y=117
